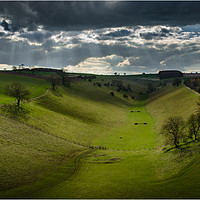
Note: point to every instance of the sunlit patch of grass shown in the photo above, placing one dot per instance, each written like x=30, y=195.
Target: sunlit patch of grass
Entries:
x=63, y=125
x=171, y=102
x=36, y=86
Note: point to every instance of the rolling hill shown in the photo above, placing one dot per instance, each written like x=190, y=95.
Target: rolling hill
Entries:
x=82, y=142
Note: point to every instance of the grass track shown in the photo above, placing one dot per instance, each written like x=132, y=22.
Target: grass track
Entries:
x=131, y=136
x=131, y=167
x=126, y=162
x=36, y=86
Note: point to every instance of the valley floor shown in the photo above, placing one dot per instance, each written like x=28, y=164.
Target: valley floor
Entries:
x=123, y=162
x=132, y=166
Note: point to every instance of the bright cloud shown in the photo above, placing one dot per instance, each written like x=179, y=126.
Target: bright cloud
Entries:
x=99, y=65
x=124, y=63
x=104, y=50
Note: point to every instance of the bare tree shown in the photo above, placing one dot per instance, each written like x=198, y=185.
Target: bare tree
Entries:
x=18, y=91
x=173, y=130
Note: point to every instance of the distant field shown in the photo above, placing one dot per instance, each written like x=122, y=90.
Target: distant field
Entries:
x=142, y=76
x=60, y=144
x=36, y=86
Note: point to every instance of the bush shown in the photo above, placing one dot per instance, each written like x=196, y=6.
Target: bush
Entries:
x=112, y=93
x=98, y=84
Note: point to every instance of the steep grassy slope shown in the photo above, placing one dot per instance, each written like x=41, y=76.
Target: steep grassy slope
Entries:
x=34, y=85
x=82, y=112
x=171, y=101
x=137, y=173
x=132, y=166
x=27, y=152
x=55, y=125
x=103, y=171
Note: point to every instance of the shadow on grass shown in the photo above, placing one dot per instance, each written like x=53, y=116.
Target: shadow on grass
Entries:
x=188, y=146
x=56, y=93
x=12, y=111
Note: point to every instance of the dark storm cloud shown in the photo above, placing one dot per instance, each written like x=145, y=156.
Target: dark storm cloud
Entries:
x=76, y=55
x=5, y=25
x=120, y=33
x=182, y=60
x=165, y=31
x=20, y=14
x=149, y=36
x=135, y=36
x=15, y=53
x=158, y=34
x=85, y=15
x=76, y=41
x=36, y=36
x=2, y=34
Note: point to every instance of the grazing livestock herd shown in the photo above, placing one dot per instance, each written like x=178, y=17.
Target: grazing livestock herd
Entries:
x=136, y=123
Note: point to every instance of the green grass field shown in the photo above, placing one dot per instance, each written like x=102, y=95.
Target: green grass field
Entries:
x=48, y=153
x=36, y=86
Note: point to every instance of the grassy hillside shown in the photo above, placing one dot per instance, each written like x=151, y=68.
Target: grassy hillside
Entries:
x=36, y=86
x=55, y=126
x=27, y=152
x=62, y=127
x=171, y=101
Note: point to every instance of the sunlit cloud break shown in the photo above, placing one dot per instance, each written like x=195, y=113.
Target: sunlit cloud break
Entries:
x=125, y=37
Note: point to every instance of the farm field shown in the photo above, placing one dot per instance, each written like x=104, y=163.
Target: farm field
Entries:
x=81, y=142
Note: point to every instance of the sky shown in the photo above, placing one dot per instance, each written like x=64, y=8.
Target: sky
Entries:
x=101, y=37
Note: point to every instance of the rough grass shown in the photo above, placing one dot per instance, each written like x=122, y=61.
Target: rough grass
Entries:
x=53, y=129
x=27, y=152
x=36, y=86
x=171, y=101
x=132, y=166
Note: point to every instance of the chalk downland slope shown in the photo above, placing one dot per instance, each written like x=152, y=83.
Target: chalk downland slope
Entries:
x=66, y=122
x=56, y=127
x=36, y=86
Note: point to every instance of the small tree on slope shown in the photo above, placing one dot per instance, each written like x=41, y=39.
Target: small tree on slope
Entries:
x=18, y=91
x=54, y=80
x=173, y=130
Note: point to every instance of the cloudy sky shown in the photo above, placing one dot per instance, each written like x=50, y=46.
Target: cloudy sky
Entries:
x=101, y=37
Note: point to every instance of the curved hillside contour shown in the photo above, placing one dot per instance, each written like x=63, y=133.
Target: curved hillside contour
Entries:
x=125, y=157
x=37, y=87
